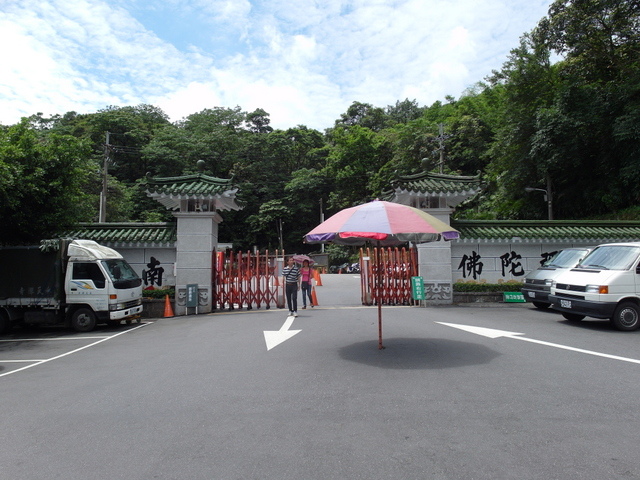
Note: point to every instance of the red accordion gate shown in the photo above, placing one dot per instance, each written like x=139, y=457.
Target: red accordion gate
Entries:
x=247, y=280
x=393, y=270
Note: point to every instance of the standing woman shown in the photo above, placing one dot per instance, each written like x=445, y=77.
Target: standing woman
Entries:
x=306, y=274
x=291, y=277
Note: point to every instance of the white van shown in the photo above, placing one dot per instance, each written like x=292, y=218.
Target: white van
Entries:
x=606, y=284
x=537, y=284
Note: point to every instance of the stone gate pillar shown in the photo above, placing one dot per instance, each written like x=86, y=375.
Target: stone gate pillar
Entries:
x=197, y=240
x=195, y=200
x=438, y=195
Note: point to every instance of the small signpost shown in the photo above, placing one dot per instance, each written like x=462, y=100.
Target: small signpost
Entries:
x=192, y=297
x=417, y=288
x=513, y=297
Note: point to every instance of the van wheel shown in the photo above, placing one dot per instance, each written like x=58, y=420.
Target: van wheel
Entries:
x=626, y=317
x=83, y=320
x=573, y=317
x=541, y=306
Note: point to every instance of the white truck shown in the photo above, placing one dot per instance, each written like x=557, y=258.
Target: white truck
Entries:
x=606, y=284
x=537, y=283
x=78, y=283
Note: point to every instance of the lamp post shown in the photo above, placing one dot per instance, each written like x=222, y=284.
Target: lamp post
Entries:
x=547, y=198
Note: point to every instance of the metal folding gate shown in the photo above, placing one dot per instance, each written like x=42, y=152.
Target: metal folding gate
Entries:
x=247, y=280
x=392, y=269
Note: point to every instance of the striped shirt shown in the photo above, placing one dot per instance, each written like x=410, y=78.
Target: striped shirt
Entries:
x=291, y=274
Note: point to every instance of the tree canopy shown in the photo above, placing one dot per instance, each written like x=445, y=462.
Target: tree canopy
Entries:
x=562, y=114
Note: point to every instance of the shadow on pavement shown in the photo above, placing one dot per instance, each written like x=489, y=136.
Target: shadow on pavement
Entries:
x=418, y=353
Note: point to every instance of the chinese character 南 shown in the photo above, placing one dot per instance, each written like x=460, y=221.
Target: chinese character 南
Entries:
x=471, y=265
x=509, y=260
x=154, y=274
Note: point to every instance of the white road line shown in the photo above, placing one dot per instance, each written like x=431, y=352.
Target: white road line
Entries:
x=20, y=361
x=9, y=340
x=40, y=362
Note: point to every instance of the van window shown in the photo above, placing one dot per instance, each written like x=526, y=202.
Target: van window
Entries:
x=88, y=271
x=611, y=257
x=566, y=258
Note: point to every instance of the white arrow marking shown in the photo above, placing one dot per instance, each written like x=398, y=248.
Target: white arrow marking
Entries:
x=274, y=338
x=491, y=333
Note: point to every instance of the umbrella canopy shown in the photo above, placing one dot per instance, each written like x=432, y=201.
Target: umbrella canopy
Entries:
x=299, y=258
x=382, y=223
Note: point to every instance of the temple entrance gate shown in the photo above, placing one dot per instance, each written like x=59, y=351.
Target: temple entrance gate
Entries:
x=393, y=272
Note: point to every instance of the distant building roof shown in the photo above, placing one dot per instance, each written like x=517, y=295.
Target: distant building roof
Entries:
x=452, y=188
x=532, y=231
x=161, y=234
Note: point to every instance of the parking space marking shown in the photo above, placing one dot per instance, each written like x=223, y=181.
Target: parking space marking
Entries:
x=20, y=361
x=9, y=340
x=40, y=362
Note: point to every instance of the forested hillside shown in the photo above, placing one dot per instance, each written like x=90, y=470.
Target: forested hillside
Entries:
x=562, y=114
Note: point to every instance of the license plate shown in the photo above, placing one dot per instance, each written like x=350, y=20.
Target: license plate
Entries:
x=532, y=294
x=565, y=303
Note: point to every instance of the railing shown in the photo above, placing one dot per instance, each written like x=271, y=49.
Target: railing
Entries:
x=247, y=280
x=391, y=269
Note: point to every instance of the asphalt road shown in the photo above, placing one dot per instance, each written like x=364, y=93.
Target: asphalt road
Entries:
x=201, y=397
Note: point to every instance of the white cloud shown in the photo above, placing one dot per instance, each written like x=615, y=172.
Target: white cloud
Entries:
x=303, y=61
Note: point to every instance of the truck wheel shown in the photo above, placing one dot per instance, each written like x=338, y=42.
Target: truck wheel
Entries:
x=83, y=320
x=573, y=317
x=541, y=306
x=626, y=317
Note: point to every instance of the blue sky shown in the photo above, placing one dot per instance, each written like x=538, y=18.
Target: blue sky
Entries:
x=303, y=61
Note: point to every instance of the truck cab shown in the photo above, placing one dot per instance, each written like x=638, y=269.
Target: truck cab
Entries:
x=606, y=284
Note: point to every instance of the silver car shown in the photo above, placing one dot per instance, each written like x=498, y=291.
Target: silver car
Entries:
x=537, y=284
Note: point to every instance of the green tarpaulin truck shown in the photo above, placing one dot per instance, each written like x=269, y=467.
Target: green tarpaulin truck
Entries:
x=78, y=283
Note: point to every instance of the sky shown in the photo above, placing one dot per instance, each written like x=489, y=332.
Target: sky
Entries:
x=302, y=61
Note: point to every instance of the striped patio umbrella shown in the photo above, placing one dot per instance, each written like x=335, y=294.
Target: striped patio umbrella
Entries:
x=382, y=224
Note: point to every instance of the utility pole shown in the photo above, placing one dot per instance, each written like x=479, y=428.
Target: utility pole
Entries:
x=441, y=139
x=549, y=198
x=321, y=220
x=103, y=195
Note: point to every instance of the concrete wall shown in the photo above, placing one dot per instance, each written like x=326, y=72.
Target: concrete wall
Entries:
x=156, y=265
x=495, y=262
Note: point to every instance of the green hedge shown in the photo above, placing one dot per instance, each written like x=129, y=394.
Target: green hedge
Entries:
x=487, y=287
x=159, y=293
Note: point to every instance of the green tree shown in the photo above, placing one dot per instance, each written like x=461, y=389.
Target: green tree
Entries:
x=43, y=183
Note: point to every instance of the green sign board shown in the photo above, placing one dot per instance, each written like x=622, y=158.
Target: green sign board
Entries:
x=417, y=288
x=513, y=297
x=192, y=295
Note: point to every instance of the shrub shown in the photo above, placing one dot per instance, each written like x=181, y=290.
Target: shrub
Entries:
x=510, y=286
x=159, y=293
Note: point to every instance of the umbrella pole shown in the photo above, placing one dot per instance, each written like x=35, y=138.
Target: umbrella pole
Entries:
x=378, y=294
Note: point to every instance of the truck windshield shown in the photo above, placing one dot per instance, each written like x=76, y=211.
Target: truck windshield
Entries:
x=611, y=257
x=567, y=258
x=121, y=274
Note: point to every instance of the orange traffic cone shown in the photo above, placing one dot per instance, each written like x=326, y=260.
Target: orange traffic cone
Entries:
x=314, y=297
x=168, y=311
x=316, y=275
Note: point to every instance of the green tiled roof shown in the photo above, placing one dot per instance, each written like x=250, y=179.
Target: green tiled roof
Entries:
x=562, y=230
x=437, y=184
x=170, y=190
x=127, y=234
